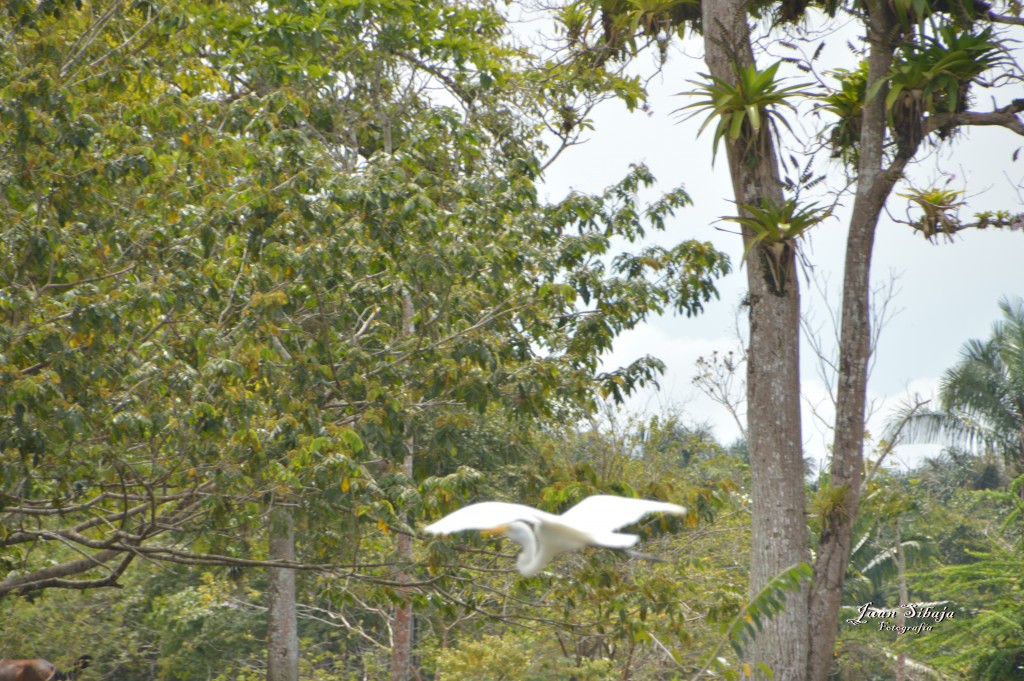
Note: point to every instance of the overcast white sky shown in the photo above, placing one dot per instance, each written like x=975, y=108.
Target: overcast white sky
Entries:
x=947, y=293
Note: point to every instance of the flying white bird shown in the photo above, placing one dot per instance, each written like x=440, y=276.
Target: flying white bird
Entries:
x=592, y=522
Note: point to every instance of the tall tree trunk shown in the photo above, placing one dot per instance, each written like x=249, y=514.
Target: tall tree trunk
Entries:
x=282, y=627
x=779, y=538
x=402, y=626
x=875, y=182
x=403, y=622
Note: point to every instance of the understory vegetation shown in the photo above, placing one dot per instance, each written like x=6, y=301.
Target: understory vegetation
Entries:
x=597, y=614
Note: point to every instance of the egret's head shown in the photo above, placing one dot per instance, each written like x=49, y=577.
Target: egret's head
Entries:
x=529, y=560
x=518, y=531
x=521, y=533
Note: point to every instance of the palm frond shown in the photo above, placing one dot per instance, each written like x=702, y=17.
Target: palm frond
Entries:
x=981, y=398
x=767, y=603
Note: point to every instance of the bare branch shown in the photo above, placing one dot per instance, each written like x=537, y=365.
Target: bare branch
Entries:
x=90, y=280
x=89, y=36
x=55, y=575
x=1005, y=19
x=895, y=437
x=1005, y=117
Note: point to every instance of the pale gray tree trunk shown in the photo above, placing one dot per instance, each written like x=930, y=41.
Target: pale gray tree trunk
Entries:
x=282, y=625
x=402, y=623
x=779, y=538
x=874, y=184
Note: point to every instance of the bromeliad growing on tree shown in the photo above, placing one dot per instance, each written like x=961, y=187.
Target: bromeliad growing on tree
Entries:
x=774, y=231
x=746, y=109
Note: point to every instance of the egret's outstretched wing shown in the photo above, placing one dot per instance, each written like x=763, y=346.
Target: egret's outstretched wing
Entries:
x=606, y=513
x=487, y=515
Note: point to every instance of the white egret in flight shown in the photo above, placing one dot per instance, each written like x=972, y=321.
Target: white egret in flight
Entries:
x=542, y=536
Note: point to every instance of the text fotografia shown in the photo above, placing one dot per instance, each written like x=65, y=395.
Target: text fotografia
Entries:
x=887, y=618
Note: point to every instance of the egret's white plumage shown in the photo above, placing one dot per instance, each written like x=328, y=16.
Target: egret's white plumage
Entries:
x=543, y=536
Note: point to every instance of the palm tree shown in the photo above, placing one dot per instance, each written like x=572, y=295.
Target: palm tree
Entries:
x=981, y=399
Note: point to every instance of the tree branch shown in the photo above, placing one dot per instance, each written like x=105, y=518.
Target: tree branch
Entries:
x=1005, y=19
x=1005, y=117
x=89, y=36
x=55, y=574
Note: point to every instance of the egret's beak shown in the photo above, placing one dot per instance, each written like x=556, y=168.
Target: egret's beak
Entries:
x=494, y=531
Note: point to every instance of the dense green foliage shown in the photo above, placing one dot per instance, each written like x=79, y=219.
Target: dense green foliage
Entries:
x=963, y=553
x=261, y=256
x=595, y=613
x=249, y=251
